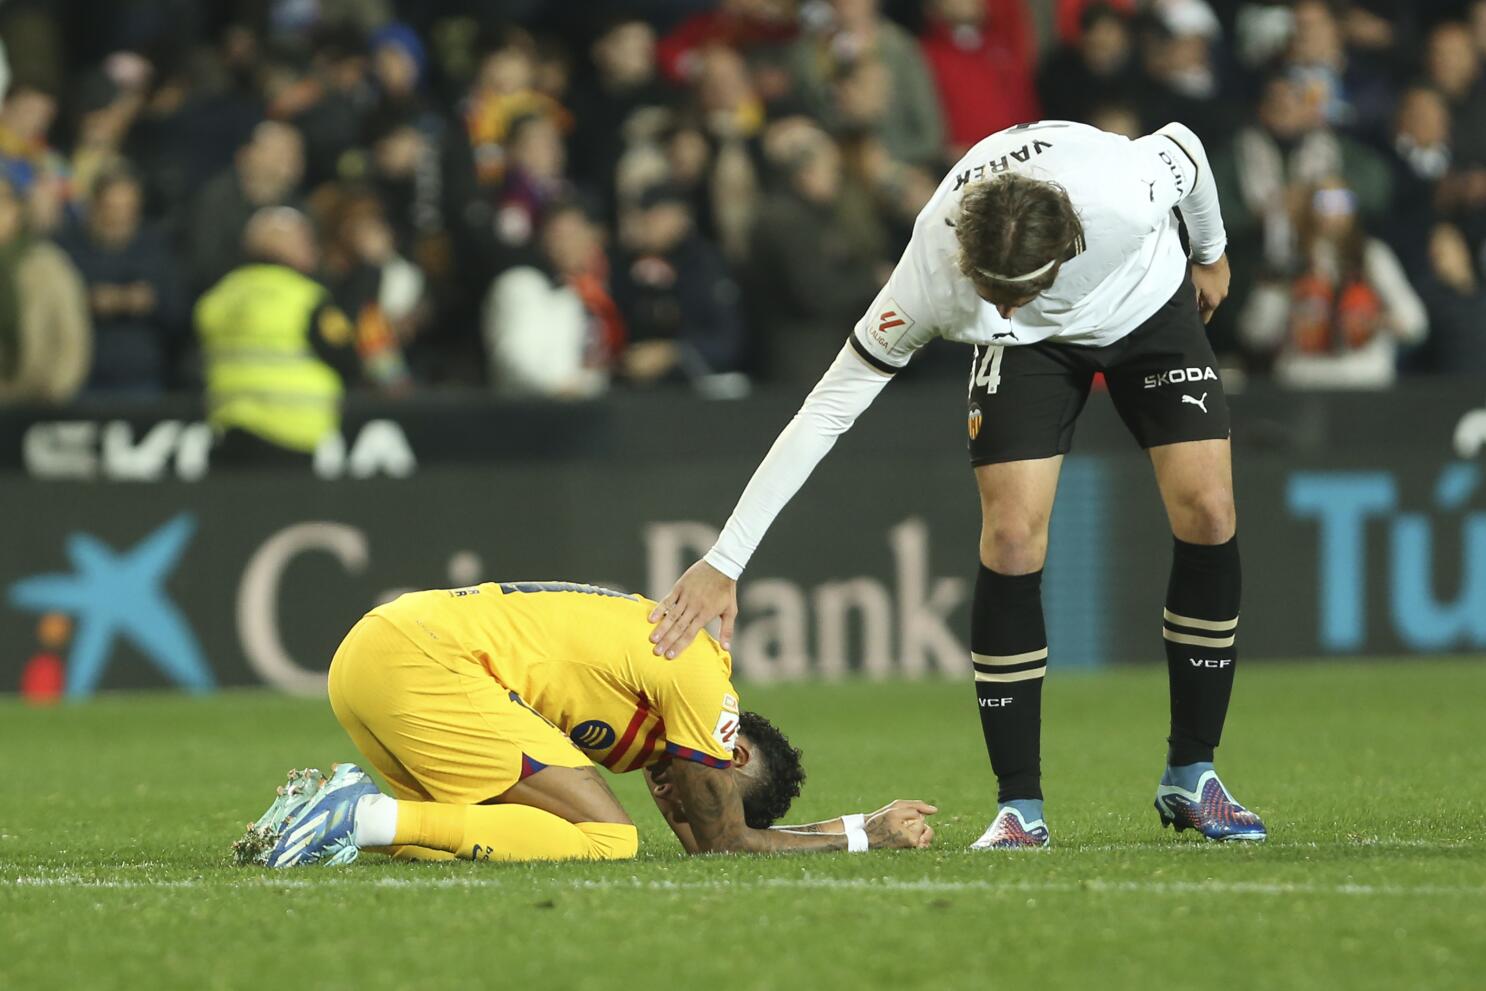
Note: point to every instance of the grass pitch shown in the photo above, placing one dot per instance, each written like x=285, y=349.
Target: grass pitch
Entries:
x=117, y=815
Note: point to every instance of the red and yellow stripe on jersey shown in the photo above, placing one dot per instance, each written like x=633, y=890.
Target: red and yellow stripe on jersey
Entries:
x=580, y=656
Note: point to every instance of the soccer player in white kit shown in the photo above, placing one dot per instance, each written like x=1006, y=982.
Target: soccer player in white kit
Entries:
x=1053, y=248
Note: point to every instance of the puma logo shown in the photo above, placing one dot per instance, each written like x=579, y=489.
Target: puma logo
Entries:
x=1004, y=334
x=1151, y=183
x=1199, y=403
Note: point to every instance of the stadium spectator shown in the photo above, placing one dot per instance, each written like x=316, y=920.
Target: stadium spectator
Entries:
x=553, y=69
x=760, y=28
x=1338, y=320
x=622, y=83
x=1421, y=159
x=1456, y=301
x=881, y=194
x=502, y=91
x=438, y=143
x=109, y=101
x=1180, y=79
x=1096, y=70
x=36, y=172
x=1382, y=32
x=267, y=171
x=827, y=58
x=326, y=98
x=1354, y=95
x=385, y=294
x=45, y=338
x=1454, y=66
x=719, y=170
x=279, y=353
x=200, y=108
x=551, y=327
x=1072, y=17
x=133, y=290
x=981, y=54
x=809, y=276
x=1285, y=149
x=399, y=62
x=676, y=295
x=407, y=171
x=533, y=178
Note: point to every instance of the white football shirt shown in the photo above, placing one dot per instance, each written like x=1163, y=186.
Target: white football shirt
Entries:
x=1132, y=261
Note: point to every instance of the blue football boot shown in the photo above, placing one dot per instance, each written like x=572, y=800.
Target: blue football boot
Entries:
x=1017, y=826
x=324, y=831
x=290, y=800
x=1193, y=797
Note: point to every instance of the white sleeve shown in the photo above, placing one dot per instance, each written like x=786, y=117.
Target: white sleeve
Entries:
x=904, y=316
x=527, y=337
x=842, y=394
x=1409, y=319
x=1184, y=179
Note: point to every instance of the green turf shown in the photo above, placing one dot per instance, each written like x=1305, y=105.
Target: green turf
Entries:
x=117, y=815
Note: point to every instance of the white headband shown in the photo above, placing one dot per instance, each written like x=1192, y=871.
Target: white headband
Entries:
x=1019, y=278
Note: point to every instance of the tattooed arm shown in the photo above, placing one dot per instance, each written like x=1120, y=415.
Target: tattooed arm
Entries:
x=838, y=825
x=714, y=815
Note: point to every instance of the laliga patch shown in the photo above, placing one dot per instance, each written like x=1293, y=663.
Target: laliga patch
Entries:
x=726, y=731
x=730, y=702
x=890, y=325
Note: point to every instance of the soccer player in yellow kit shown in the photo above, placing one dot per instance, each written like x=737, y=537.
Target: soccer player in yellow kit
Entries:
x=485, y=709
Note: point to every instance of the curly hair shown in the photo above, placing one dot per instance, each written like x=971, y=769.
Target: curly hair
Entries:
x=1012, y=225
x=768, y=796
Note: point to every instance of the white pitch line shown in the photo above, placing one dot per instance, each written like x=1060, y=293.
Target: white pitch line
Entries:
x=922, y=885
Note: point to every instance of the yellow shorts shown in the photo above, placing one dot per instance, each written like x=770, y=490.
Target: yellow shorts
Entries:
x=434, y=732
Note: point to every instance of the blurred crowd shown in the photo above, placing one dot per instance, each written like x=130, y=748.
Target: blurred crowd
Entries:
x=558, y=199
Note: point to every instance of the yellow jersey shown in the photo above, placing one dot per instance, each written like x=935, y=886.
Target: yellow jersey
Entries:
x=580, y=656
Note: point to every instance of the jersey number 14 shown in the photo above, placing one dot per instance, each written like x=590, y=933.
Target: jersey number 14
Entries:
x=988, y=370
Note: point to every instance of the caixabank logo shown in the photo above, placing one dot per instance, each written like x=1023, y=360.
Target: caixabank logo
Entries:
x=110, y=596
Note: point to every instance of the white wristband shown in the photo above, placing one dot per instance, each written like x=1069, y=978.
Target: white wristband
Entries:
x=856, y=832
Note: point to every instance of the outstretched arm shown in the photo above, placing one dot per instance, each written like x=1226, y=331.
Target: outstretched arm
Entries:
x=840, y=824
x=714, y=817
x=709, y=588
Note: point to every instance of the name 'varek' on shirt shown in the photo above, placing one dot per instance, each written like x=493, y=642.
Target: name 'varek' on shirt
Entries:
x=1131, y=261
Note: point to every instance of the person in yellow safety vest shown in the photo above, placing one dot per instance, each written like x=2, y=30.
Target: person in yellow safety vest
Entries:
x=276, y=348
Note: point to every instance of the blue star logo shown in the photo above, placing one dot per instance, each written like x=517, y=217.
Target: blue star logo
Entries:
x=110, y=595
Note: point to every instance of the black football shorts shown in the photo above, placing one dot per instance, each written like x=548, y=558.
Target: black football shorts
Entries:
x=1162, y=377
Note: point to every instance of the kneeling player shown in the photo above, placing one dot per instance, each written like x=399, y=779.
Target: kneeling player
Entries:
x=485, y=708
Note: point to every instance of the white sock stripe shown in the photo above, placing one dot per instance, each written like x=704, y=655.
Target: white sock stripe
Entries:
x=1187, y=638
x=1200, y=624
x=1002, y=660
x=1012, y=676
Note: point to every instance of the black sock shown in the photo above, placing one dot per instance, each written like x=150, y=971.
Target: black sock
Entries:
x=1008, y=645
x=1201, y=623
